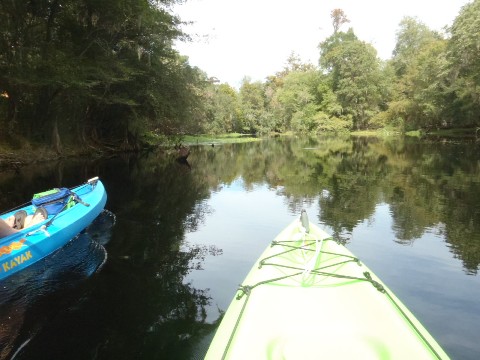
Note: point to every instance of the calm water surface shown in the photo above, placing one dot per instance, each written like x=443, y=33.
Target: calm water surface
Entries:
x=151, y=277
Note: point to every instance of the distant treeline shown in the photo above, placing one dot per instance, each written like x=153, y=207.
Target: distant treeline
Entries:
x=432, y=81
x=105, y=74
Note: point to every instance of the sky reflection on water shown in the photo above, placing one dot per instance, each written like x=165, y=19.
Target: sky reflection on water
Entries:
x=423, y=273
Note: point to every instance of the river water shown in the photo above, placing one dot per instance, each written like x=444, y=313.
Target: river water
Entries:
x=151, y=277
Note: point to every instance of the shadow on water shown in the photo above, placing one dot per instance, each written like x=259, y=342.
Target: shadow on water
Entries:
x=26, y=294
x=138, y=305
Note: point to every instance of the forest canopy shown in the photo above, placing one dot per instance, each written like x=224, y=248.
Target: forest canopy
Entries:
x=104, y=74
x=96, y=73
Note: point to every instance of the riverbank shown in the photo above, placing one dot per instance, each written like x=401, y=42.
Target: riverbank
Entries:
x=14, y=158
x=206, y=139
x=465, y=133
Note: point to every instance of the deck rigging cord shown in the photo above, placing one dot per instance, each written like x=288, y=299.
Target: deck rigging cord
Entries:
x=246, y=290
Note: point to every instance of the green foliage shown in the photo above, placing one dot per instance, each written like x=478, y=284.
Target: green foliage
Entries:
x=419, y=63
x=253, y=115
x=430, y=82
x=412, y=36
x=356, y=76
x=103, y=71
x=297, y=100
x=387, y=119
x=325, y=123
x=223, y=110
x=212, y=139
x=463, y=56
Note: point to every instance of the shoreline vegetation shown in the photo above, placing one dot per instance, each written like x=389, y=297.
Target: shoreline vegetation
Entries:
x=13, y=159
x=101, y=78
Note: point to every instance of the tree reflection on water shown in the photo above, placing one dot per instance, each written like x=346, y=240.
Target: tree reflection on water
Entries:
x=140, y=304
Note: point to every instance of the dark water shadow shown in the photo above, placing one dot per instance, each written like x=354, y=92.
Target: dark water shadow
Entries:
x=29, y=292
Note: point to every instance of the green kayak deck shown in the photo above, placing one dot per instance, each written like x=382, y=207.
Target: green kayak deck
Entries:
x=308, y=297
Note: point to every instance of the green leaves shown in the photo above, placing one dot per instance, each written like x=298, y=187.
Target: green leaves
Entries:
x=419, y=64
x=463, y=55
x=432, y=81
x=356, y=75
x=91, y=63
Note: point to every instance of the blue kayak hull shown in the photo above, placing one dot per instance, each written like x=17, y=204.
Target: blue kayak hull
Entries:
x=30, y=245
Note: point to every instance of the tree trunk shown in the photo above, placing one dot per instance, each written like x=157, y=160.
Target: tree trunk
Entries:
x=57, y=145
x=11, y=115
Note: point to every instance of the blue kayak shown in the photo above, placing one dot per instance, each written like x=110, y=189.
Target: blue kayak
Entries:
x=29, y=245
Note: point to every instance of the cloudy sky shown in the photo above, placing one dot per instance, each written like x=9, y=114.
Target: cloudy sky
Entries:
x=237, y=38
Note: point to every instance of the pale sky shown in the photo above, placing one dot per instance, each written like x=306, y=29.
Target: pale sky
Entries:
x=237, y=38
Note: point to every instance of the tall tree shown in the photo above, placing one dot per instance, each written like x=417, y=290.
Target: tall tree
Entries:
x=419, y=63
x=297, y=97
x=356, y=76
x=291, y=95
x=464, y=59
x=253, y=114
x=223, y=110
x=412, y=36
x=338, y=19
